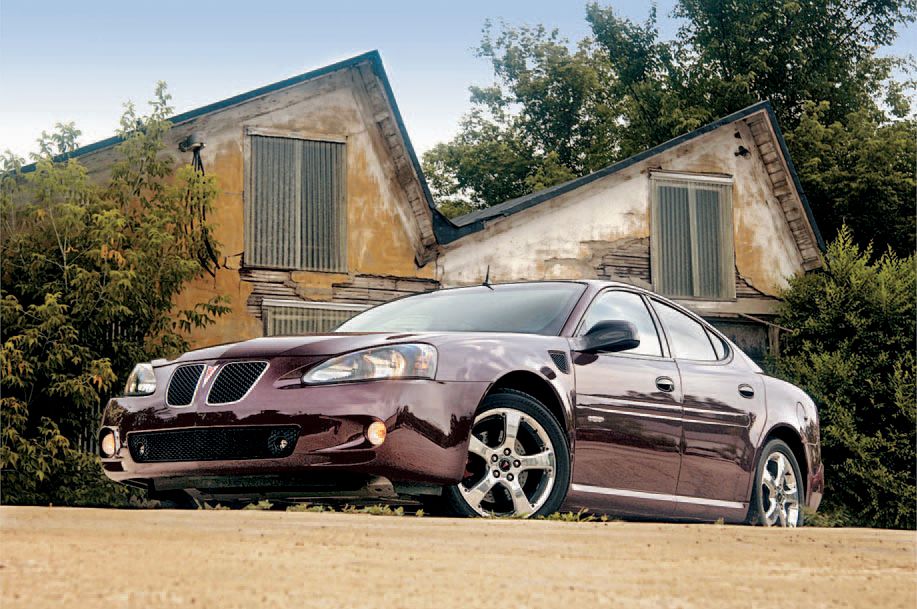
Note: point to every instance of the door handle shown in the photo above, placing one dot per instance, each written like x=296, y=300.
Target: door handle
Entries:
x=666, y=384
x=746, y=391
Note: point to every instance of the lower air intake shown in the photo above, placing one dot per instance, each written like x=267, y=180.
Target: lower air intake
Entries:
x=213, y=444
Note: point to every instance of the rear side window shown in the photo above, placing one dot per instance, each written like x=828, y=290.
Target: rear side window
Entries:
x=687, y=338
x=718, y=345
x=625, y=306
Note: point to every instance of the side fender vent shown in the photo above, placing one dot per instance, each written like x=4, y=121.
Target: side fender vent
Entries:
x=560, y=360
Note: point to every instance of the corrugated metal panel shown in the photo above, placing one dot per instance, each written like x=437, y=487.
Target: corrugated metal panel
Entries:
x=675, y=264
x=296, y=217
x=709, y=243
x=289, y=321
x=693, y=229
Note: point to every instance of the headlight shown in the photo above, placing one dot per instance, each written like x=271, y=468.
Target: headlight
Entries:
x=394, y=362
x=142, y=381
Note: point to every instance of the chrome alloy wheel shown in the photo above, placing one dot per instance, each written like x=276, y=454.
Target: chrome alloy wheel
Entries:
x=779, y=491
x=511, y=465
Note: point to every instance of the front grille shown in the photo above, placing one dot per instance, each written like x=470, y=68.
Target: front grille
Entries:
x=183, y=384
x=234, y=381
x=560, y=360
x=213, y=444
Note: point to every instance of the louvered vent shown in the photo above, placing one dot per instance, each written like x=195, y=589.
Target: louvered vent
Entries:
x=183, y=384
x=234, y=381
x=560, y=360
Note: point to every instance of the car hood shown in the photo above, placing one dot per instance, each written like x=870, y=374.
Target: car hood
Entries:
x=289, y=346
x=312, y=345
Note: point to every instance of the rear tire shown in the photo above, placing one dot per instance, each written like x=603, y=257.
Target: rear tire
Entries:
x=518, y=460
x=778, y=494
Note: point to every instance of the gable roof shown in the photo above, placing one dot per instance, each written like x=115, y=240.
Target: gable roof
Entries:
x=437, y=229
x=476, y=220
x=429, y=217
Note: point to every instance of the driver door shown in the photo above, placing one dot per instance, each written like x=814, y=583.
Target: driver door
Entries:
x=628, y=417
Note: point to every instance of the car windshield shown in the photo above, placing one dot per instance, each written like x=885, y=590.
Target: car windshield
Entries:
x=529, y=308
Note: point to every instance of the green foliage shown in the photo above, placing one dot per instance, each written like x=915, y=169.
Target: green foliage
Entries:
x=852, y=349
x=91, y=268
x=581, y=516
x=859, y=173
x=374, y=510
x=306, y=507
x=262, y=505
x=559, y=110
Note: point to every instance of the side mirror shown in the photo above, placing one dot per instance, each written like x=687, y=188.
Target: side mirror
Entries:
x=608, y=336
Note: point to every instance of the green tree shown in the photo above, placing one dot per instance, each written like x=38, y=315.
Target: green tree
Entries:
x=851, y=347
x=860, y=173
x=90, y=272
x=558, y=110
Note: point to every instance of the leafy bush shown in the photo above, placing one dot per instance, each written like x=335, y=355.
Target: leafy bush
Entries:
x=90, y=271
x=852, y=349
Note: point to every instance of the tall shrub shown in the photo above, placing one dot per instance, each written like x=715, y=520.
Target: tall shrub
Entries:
x=90, y=272
x=852, y=348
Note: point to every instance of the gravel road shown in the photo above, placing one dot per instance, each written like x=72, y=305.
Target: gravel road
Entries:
x=60, y=557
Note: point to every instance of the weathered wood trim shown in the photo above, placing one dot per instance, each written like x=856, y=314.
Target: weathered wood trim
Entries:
x=778, y=171
x=312, y=304
x=297, y=134
x=748, y=306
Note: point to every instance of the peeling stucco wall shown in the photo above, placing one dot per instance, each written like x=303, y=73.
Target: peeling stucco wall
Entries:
x=598, y=230
x=383, y=237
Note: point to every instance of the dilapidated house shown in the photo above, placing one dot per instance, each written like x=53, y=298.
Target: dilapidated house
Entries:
x=324, y=210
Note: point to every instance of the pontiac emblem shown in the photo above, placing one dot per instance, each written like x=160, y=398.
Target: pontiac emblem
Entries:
x=209, y=372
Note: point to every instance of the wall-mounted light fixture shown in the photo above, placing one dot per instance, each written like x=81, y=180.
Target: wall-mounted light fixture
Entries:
x=194, y=144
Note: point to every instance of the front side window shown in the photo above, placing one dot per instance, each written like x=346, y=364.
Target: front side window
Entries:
x=625, y=306
x=687, y=338
x=295, y=213
x=692, y=244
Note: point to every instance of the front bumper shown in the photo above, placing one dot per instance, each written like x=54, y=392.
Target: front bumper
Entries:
x=428, y=425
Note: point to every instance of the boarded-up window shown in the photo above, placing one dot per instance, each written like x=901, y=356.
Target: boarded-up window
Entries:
x=296, y=215
x=692, y=252
x=295, y=318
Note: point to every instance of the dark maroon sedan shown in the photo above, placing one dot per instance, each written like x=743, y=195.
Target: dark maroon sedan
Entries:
x=517, y=399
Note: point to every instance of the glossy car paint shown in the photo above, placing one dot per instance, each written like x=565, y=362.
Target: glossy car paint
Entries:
x=637, y=450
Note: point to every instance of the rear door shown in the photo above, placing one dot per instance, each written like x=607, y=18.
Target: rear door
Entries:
x=628, y=417
x=722, y=398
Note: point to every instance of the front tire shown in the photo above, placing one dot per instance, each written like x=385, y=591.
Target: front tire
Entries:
x=777, y=497
x=518, y=460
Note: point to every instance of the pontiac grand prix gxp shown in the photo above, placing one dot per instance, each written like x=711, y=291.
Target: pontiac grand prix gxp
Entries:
x=517, y=399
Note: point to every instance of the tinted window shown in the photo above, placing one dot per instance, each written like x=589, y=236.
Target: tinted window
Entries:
x=687, y=338
x=625, y=306
x=718, y=345
x=530, y=308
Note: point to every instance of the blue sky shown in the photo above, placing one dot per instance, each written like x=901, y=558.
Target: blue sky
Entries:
x=80, y=60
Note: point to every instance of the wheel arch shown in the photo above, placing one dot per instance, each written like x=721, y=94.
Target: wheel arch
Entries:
x=539, y=388
x=791, y=437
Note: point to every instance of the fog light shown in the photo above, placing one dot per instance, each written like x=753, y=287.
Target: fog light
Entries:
x=108, y=443
x=375, y=433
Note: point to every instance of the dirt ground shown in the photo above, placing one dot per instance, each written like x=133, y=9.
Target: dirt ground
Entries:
x=59, y=557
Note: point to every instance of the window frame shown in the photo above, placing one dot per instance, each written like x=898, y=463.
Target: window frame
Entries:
x=727, y=251
x=657, y=323
x=247, y=193
x=708, y=330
